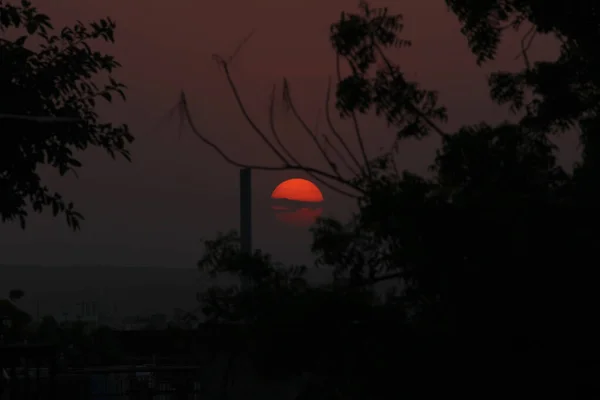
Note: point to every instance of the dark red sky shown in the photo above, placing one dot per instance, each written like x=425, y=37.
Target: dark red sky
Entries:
x=156, y=210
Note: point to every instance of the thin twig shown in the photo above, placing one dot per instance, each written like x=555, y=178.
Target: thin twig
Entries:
x=328, y=143
x=186, y=112
x=274, y=130
x=289, y=153
x=339, y=155
x=167, y=117
x=310, y=133
x=317, y=119
x=526, y=42
x=244, y=112
x=286, y=163
x=286, y=166
x=240, y=45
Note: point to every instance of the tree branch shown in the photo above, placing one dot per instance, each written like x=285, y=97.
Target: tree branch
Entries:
x=526, y=42
x=286, y=161
x=288, y=153
x=339, y=155
x=411, y=107
x=243, y=109
x=272, y=126
x=286, y=166
x=240, y=45
x=355, y=123
x=289, y=103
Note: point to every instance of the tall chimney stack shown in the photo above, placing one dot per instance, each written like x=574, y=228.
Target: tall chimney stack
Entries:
x=246, y=210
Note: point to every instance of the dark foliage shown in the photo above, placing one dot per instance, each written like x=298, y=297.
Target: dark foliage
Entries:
x=50, y=81
x=495, y=245
x=16, y=294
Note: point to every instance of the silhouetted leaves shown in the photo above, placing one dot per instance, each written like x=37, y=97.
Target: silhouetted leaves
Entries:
x=50, y=117
x=16, y=294
x=494, y=242
x=362, y=40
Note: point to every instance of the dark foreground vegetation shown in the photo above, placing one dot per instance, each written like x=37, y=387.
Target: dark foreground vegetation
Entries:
x=489, y=261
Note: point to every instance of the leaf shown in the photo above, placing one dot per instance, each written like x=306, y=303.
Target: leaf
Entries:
x=32, y=27
x=54, y=81
x=107, y=96
x=21, y=41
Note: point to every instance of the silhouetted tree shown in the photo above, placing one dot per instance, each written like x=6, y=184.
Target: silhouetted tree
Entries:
x=289, y=327
x=105, y=348
x=359, y=40
x=14, y=322
x=48, y=78
x=48, y=331
x=551, y=96
x=16, y=294
x=483, y=246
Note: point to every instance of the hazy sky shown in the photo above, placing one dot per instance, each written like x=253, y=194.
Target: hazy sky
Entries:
x=156, y=210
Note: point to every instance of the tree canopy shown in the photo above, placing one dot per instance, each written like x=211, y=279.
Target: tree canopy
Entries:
x=498, y=240
x=51, y=79
x=15, y=294
x=495, y=242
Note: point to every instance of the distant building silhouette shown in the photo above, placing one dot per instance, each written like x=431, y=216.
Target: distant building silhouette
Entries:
x=84, y=311
x=13, y=321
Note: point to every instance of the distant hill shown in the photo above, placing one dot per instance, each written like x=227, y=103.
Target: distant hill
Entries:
x=129, y=290
x=133, y=290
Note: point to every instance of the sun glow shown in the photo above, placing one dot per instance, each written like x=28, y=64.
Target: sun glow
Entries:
x=297, y=202
x=299, y=190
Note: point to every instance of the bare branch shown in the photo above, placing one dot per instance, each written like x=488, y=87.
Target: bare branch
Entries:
x=355, y=122
x=167, y=117
x=274, y=130
x=328, y=144
x=181, y=124
x=339, y=155
x=287, y=152
x=526, y=42
x=317, y=119
x=290, y=104
x=242, y=44
x=286, y=166
x=244, y=112
x=286, y=161
x=336, y=133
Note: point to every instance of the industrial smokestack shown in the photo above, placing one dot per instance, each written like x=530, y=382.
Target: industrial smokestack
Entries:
x=246, y=215
x=246, y=210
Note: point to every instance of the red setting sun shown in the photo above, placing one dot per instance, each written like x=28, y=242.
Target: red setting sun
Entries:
x=299, y=190
x=296, y=200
